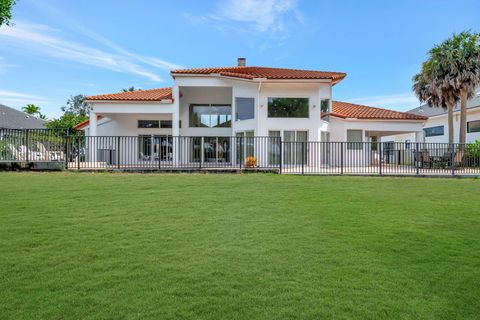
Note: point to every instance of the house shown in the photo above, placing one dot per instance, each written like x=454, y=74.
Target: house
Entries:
x=14, y=119
x=435, y=129
x=242, y=101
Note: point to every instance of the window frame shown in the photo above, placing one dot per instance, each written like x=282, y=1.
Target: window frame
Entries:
x=236, y=108
x=434, y=135
x=476, y=129
x=287, y=117
x=151, y=121
x=210, y=108
x=355, y=145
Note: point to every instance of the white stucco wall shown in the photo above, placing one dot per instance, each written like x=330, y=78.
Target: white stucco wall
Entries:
x=313, y=91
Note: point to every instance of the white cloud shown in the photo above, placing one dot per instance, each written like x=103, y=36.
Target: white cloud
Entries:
x=20, y=99
x=71, y=23
x=404, y=101
x=263, y=15
x=261, y=20
x=45, y=40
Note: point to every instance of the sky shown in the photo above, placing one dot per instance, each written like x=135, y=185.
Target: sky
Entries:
x=59, y=48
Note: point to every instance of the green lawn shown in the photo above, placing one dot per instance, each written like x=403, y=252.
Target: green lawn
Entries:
x=252, y=246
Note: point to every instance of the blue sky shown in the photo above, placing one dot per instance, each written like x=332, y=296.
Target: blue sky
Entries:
x=58, y=48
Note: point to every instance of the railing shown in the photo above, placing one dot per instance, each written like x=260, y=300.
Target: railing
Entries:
x=34, y=145
x=158, y=152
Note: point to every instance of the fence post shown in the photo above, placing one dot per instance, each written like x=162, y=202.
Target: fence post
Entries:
x=27, y=144
x=453, y=160
x=201, y=151
x=281, y=153
x=118, y=153
x=416, y=154
x=303, y=157
x=341, y=157
x=67, y=147
x=380, y=158
x=78, y=152
x=241, y=152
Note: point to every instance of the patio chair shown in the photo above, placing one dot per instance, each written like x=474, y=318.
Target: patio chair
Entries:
x=423, y=158
x=143, y=157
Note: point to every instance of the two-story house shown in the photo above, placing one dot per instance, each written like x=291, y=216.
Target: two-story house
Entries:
x=216, y=104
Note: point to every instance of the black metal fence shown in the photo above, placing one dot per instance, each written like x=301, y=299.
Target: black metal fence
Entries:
x=158, y=152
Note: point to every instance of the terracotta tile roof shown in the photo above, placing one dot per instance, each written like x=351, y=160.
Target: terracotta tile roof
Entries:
x=85, y=123
x=265, y=72
x=139, y=95
x=349, y=110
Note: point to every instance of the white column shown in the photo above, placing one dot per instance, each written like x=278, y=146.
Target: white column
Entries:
x=176, y=123
x=92, y=124
x=91, y=139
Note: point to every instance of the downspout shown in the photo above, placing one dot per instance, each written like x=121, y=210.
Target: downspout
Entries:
x=258, y=108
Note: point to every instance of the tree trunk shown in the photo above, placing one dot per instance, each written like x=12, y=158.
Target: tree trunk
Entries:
x=450, y=125
x=463, y=118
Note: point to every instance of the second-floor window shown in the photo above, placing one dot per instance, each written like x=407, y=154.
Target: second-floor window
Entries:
x=324, y=105
x=210, y=116
x=288, y=107
x=245, y=108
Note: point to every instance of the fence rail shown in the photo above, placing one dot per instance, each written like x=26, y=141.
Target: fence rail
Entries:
x=160, y=152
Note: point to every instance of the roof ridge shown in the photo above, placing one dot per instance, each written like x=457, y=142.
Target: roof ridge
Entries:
x=128, y=92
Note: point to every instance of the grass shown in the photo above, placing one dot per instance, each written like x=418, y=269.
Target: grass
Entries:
x=253, y=246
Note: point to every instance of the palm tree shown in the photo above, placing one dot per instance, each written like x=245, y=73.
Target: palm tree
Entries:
x=454, y=71
x=131, y=89
x=462, y=64
x=431, y=88
x=31, y=109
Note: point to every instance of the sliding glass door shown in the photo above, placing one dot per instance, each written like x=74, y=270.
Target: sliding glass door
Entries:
x=295, y=152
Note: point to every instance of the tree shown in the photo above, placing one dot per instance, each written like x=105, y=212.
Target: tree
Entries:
x=33, y=110
x=461, y=68
x=77, y=105
x=433, y=86
x=66, y=121
x=6, y=11
x=131, y=89
x=75, y=111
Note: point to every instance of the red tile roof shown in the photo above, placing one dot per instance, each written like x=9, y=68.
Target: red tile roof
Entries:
x=85, y=123
x=248, y=72
x=349, y=110
x=139, y=95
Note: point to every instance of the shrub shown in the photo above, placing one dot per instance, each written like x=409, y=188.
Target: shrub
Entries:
x=473, y=153
x=250, y=162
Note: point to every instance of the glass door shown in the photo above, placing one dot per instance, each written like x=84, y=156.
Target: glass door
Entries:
x=274, y=147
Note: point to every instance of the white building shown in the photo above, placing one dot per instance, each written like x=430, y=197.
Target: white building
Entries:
x=215, y=104
x=435, y=129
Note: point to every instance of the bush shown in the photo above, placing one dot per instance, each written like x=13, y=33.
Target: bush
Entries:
x=472, y=153
x=250, y=162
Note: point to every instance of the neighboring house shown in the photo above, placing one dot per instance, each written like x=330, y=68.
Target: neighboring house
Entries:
x=14, y=119
x=435, y=129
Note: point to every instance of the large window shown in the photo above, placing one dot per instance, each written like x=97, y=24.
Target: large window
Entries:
x=288, y=107
x=434, y=131
x=473, y=126
x=245, y=108
x=149, y=124
x=354, y=139
x=210, y=116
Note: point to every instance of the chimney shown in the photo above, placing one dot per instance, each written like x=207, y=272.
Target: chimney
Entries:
x=241, y=62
